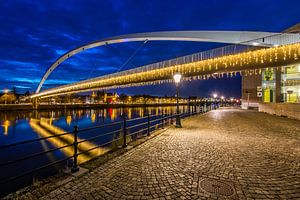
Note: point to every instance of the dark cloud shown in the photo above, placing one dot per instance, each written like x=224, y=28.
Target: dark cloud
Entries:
x=33, y=34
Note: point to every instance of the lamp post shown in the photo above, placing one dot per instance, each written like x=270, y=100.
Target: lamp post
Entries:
x=177, y=78
x=222, y=100
x=215, y=95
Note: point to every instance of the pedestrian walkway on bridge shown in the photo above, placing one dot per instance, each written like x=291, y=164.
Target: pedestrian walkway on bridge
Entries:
x=227, y=153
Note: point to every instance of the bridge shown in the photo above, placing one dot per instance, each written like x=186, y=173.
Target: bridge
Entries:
x=250, y=52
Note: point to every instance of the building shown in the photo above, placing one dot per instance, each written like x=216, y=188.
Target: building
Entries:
x=274, y=90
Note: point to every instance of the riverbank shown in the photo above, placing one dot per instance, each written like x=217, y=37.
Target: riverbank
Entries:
x=213, y=150
x=39, y=188
x=21, y=107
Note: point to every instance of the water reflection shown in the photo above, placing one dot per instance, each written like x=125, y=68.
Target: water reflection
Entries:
x=45, y=128
x=28, y=125
x=18, y=122
x=5, y=125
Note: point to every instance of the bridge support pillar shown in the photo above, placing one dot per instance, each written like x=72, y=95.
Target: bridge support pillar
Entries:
x=35, y=103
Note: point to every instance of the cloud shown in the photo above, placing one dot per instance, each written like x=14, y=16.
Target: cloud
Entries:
x=33, y=34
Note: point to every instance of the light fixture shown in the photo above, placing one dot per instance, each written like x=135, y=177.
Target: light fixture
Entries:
x=215, y=95
x=222, y=97
x=276, y=45
x=255, y=43
x=177, y=77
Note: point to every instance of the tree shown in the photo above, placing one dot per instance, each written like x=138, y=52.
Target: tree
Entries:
x=123, y=98
x=8, y=98
x=146, y=98
x=27, y=93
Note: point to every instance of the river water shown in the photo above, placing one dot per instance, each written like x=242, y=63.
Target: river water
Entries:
x=29, y=125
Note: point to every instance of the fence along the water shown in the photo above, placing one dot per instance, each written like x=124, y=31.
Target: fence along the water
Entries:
x=126, y=131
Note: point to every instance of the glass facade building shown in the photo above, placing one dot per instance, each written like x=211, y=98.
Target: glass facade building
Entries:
x=281, y=84
x=269, y=85
x=290, y=84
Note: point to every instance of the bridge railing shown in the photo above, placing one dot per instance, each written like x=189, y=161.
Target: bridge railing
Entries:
x=217, y=52
x=203, y=55
x=121, y=134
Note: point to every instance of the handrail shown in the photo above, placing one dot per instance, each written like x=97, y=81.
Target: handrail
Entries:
x=141, y=130
x=97, y=146
x=35, y=170
x=146, y=126
x=100, y=126
x=136, y=125
x=33, y=155
x=95, y=137
x=33, y=140
x=138, y=118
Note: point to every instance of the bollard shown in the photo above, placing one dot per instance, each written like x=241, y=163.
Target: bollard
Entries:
x=148, y=125
x=75, y=167
x=124, y=132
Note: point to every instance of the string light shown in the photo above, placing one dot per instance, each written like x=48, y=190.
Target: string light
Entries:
x=197, y=70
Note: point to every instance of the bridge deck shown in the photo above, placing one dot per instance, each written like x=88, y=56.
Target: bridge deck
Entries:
x=228, y=153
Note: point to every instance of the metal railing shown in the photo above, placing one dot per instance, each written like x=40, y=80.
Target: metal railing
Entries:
x=270, y=41
x=125, y=129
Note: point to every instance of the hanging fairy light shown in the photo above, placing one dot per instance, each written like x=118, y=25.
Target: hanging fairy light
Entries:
x=196, y=69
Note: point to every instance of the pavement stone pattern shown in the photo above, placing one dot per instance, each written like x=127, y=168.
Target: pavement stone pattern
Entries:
x=224, y=154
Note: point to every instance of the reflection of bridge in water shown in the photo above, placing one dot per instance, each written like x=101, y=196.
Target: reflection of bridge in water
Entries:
x=252, y=51
x=45, y=128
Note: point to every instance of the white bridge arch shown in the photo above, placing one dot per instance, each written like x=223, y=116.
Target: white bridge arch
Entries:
x=252, y=38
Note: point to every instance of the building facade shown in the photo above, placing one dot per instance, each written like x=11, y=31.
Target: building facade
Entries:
x=273, y=89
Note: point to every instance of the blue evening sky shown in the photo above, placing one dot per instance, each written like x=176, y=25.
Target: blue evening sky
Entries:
x=35, y=33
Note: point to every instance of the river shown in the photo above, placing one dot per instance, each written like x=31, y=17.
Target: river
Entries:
x=28, y=125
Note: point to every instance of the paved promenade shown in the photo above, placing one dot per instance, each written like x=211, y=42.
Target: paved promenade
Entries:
x=223, y=154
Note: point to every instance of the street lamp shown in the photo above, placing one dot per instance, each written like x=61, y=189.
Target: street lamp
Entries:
x=215, y=95
x=177, y=78
x=222, y=100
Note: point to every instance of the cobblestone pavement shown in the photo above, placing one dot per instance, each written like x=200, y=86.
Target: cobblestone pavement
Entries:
x=223, y=154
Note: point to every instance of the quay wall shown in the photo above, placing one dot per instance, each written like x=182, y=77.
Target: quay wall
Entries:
x=290, y=110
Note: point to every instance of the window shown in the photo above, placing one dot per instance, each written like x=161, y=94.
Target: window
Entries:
x=290, y=84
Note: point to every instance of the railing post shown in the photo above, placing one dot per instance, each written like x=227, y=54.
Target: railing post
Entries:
x=162, y=119
x=189, y=106
x=148, y=125
x=124, y=132
x=75, y=167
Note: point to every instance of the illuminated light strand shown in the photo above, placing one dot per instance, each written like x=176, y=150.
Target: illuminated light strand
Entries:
x=198, y=70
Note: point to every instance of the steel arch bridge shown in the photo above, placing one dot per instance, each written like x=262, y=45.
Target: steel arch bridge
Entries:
x=278, y=41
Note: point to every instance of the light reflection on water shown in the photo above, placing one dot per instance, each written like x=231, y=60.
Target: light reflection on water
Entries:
x=15, y=123
x=27, y=125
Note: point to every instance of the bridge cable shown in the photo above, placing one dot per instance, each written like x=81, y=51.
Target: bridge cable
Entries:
x=133, y=54
x=93, y=67
x=118, y=52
